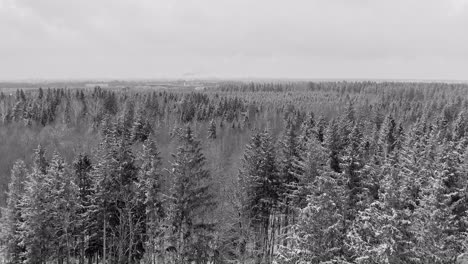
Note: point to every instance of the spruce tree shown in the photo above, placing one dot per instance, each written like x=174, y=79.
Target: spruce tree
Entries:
x=321, y=129
x=436, y=241
x=290, y=173
x=308, y=128
x=191, y=201
x=353, y=169
x=290, y=153
x=12, y=216
x=312, y=163
x=141, y=128
x=260, y=184
x=82, y=177
x=36, y=232
x=382, y=233
x=212, y=130
x=387, y=136
x=441, y=218
x=333, y=143
x=151, y=199
x=460, y=126
x=319, y=233
x=62, y=209
x=114, y=207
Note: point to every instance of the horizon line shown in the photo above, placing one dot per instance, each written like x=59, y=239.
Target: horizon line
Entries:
x=302, y=79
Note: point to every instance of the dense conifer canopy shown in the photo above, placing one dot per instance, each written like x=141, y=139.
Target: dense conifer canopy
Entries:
x=331, y=172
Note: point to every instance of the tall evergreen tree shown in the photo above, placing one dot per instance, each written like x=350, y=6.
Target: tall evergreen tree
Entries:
x=319, y=233
x=333, y=143
x=382, y=232
x=12, y=216
x=387, y=136
x=321, y=128
x=308, y=128
x=441, y=219
x=191, y=202
x=290, y=152
x=152, y=200
x=353, y=170
x=290, y=174
x=36, y=230
x=260, y=185
x=63, y=209
x=84, y=223
x=115, y=208
x=212, y=130
x=141, y=128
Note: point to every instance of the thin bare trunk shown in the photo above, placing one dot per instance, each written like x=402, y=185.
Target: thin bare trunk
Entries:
x=104, y=257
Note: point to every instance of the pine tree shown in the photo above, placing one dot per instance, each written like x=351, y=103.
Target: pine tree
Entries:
x=191, y=202
x=82, y=177
x=18, y=111
x=67, y=118
x=12, y=216
x=110, y=104
x=346, y=123
x=41, y=93
x=308, y=128
x=353, y=169
x=319, y=233
x=212, y=130
x=114, y=207
x=141, y=129
x=382, y=232
x=321, y=129
x=22, y=95
x=152, y=199
x=387, y=136
x=291, y=151
x=40, y=161
x=63, y=208
x=460, y=126
x=312, y=163
x=35, y=203
x=260, y=184
x=290, y=173
x=432, y=227
x=333, y=143
x=441, y=219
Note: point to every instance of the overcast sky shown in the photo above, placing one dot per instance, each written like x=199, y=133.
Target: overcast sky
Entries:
x=375, y=39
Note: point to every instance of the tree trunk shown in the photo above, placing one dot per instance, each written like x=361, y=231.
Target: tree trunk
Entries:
x=104, y=257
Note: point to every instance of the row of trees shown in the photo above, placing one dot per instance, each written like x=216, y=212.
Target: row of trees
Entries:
x=72, y=108
x=113, y=209
x=349, y=199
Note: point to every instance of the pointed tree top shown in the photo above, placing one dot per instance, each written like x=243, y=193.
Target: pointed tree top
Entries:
x=40, y=162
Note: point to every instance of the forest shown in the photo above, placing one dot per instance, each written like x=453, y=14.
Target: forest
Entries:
x=238, y=172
